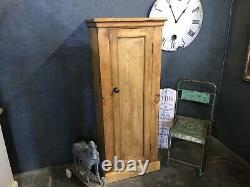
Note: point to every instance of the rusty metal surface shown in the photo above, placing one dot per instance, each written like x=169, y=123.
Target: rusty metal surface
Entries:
x=246, y=75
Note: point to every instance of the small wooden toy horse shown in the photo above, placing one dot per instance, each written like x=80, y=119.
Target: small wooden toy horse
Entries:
x=85, y=157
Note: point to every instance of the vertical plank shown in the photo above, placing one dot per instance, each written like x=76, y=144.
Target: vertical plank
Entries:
x=94, y=53
x=156, y=74
x=105, y=72
x=148, y=92
x=115, y=83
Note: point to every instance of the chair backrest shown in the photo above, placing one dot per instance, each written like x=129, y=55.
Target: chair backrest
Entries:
x=197, y=91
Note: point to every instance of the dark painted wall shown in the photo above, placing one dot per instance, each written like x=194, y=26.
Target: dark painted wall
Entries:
x=202, y=60
x=233, y=115
x=45, y=75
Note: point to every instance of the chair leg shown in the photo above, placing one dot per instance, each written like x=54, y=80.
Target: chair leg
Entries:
x=169, y=146
x=204, y=158
x=209, y=138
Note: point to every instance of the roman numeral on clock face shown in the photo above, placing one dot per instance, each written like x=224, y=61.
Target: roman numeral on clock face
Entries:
x=163, y=41
x=183, y=43
x=196, y=10
x=156, y=6
x=191, y=33
x=196, y=21
x=158, y=9
x=172, y=44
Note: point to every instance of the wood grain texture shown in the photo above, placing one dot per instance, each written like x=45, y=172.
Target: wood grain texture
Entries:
x=115, y=83
x=127, y=57
x=131, y=52
x=125, y=22
x=138, y=19
x=95, y=61
x=147, y=91
x=131, y=62
x=106, y=87
x=131, y=70
x=156, y=76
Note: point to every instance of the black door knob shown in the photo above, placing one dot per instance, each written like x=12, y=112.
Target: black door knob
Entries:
x=116, y=90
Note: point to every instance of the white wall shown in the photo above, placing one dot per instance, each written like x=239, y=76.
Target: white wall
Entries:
x=6, y=177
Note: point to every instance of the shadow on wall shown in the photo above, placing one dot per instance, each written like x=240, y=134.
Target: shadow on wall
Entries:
x=55, y=108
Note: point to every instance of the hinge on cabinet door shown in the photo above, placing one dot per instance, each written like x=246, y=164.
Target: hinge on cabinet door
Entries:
x=157, y=98
x=152, y=48
x=109, y=36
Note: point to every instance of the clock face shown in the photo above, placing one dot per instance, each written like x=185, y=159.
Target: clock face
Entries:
x=184, y=20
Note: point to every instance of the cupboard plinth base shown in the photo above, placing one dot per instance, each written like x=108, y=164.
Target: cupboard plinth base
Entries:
x=113, y=176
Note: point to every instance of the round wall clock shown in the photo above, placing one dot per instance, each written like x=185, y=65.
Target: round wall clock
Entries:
x=184, y=20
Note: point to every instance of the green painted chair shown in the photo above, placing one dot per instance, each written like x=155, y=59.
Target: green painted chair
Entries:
x=191, y=128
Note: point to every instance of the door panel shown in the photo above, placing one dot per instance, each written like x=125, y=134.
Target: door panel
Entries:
x=131, y=66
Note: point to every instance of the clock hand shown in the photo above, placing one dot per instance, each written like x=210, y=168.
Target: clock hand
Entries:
x=168, y=1
x=181, y=15
x=173, y=13
x=183, y=12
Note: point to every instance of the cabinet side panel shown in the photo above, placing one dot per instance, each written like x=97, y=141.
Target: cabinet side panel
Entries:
x=106, y=87
x=148, y=63
x=95, y=61
x=155, y=91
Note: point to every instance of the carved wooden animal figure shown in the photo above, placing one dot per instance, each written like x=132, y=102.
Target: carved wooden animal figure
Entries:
x=86, y=153
x=86, y=156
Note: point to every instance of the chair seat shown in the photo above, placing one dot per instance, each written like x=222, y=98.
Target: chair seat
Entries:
x=190, y=129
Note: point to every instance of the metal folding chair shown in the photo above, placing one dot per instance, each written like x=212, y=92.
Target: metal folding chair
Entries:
x=191, y=128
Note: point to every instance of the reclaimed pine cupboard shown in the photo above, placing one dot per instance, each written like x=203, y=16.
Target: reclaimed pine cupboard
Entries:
x=126, y=63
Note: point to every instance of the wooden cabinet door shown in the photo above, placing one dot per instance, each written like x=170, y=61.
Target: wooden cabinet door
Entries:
x=131, y=74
